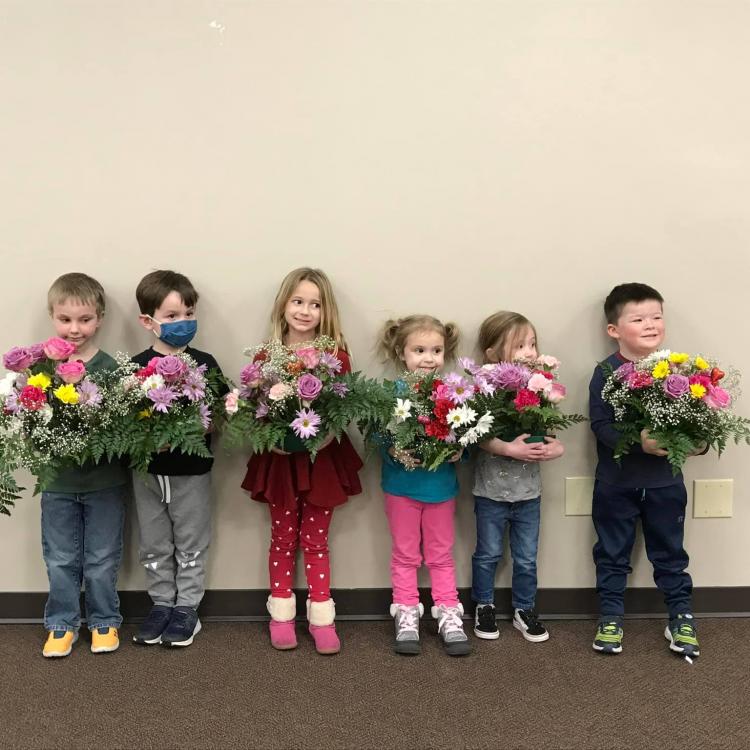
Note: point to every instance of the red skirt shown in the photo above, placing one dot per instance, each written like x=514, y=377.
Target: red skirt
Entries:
x=326, y=482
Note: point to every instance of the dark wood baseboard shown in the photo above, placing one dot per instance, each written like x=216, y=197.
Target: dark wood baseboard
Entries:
x=241, y=604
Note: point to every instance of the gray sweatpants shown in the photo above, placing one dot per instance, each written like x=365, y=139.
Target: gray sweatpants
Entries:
x=174, y=522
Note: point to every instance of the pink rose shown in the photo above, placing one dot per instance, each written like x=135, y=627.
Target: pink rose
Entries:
x=717, y=398
x=279, y=391
x=57, y=348
x=231, y=401
x=71, y=372
x=310, y=357
x=251, y=375
x=539, y=383
x=18, y=358
x=556, y=393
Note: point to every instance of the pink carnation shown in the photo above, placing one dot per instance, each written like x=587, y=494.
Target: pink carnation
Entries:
x=279, y=391
x=538, y=383
x=231, y=401
x=639, y=379
x=71, y=372
x=57, y=348
x=310, y=357
x=548, y=361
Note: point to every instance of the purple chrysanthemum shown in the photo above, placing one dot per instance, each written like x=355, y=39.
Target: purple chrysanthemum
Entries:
x=330, y=362
x=307, y=423
x=485, y=387
x=205, y=415
x=162, y=398
x=88, y=393
x=11, y=405
x=509, y=376
x=250, y=375
x=467, y=363
x=623, y=372
x=262, y=410
x=340, y=388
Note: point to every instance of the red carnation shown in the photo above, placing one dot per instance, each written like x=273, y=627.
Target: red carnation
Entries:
x=546, y=374
x=32, y=398
x=442, y=407
x=525, y=398
x=145, y=372
x=437, y=429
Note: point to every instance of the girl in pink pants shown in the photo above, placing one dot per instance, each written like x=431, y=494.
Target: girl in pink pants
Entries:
x=420, y=504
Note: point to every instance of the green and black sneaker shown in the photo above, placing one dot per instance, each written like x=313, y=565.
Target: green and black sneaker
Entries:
x=682, y=636
x=608, y=639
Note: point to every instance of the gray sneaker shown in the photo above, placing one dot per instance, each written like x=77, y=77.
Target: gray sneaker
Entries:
x=407, y=627
x=451, y=630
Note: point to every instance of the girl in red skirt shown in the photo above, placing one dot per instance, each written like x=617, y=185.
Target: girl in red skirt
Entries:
x=301, y=494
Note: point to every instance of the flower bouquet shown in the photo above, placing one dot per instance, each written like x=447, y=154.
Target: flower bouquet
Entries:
x=522, y=397
x=50, y=410
x=682, y=400
x=429, y=418
x=293, y=399
x=164, y=405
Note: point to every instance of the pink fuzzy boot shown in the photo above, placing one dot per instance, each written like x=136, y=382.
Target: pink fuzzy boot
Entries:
x=282, y=613
x=322, y=629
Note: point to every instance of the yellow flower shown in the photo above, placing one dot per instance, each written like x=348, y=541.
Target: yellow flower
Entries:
x=679, y=357
x=701, y=363
x=661, y=370
x=67, y=394
x=697, y=390
x=40, y=380
x=145, y=414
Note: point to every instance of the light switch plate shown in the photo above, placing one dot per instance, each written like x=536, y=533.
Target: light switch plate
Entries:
x=712, y=498
x=578, y=495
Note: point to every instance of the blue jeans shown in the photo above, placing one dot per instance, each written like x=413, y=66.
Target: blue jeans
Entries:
x=82, y=541
x=492, y=518
x=615, y=513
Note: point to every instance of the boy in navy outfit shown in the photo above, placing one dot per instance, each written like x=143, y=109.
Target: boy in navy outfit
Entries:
x=173, y=501
x=641, y=486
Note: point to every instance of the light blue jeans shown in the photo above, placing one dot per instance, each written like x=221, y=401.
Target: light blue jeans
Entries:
x=82, y=542
x=492, y=518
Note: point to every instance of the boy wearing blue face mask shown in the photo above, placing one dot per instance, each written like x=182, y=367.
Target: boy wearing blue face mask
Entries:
x=173, y=500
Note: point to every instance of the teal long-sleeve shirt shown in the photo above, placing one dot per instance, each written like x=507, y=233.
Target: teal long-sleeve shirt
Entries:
x=418, y=484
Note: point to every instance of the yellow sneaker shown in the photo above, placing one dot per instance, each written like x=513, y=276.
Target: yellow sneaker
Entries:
x=104, y=640
x=59, y=643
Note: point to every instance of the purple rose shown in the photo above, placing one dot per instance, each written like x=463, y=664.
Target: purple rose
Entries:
x=37, y=353
x=676, y=385
x=309, y=387
x=18, y=358
x=170, y=368
x=251, y=375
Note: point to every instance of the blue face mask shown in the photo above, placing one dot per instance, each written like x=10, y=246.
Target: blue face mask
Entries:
x=178, y=332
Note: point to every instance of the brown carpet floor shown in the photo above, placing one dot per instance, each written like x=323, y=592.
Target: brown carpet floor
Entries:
x=230, y=689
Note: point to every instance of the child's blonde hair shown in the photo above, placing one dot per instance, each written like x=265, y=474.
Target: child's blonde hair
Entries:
x=500, y=332
x=395, y=332
x=77, y=286
x=329, y=312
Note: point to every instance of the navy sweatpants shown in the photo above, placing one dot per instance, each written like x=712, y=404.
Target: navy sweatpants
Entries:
x=615, y=513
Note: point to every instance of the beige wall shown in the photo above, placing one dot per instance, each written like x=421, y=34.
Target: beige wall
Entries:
x=447, y=157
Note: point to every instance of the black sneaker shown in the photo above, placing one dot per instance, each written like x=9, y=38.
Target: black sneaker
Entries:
x=153, y=626
x=682, y=636
x=485, y=624
x=183, y=626
x=608, y=638
x=531, y=628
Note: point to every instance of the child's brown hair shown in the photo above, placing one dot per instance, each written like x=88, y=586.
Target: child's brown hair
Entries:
x=395, y=332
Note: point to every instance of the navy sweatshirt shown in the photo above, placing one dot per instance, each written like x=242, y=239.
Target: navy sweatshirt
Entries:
x=636, y=469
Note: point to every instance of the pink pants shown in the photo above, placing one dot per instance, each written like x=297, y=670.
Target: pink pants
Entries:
x=308, y=525
x=428, y=526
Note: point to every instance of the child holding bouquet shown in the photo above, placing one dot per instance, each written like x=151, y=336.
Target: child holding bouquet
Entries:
x=301, y=493
x=507, y=493
x=83, y=508
x=173, y=500
x=420, y=504
x=640, y=485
